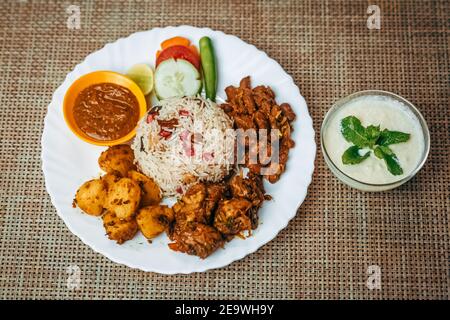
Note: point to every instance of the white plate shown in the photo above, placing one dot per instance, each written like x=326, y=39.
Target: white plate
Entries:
x=68, y=161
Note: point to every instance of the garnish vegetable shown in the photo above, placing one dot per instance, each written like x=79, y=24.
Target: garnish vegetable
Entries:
x=142, y=74
x=179, y=52
x=177, y=41
x=209, y=67
x=177, y=78
x=374, y=139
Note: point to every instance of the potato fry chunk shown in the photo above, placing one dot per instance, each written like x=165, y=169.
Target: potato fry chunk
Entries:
x=123, y=198
x=109, y=180
x=151, y=194
x=117, y=160
x=153, y=220
x=91, y=196
x=118, y=229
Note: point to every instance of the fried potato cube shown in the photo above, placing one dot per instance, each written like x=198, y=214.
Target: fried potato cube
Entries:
x=123, y=198
x=153, y=220
x=109, y=180
x=91, y=197
x=118, y=229
x=151, y=194
x=117, y=160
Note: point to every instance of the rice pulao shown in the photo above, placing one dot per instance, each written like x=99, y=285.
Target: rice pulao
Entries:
x=182, y=141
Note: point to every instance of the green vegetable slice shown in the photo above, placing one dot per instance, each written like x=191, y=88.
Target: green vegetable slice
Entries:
x=209, y=67
x=176, y=78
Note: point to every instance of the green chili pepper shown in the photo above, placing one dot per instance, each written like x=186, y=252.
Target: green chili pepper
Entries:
x=209, y=67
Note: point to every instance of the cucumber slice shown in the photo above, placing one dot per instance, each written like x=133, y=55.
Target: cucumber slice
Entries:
x=176, y=78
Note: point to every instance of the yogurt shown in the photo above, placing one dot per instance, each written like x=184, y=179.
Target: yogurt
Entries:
x=389, y=114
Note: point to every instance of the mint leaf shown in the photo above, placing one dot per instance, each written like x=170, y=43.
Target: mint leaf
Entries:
x=392, y=137
x=354, y=132
x=352, y=156
x=389, y=157
x=372, y=134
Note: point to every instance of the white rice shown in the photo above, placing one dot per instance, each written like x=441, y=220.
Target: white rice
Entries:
x=169, y=161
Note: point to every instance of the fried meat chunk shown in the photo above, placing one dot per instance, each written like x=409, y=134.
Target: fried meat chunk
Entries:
x=198, y=203
x=189, y=209
x=250, y=188
x=257, y=109
x=214, y=193
x=192, y=231
x=198, y=239
x=232, y=216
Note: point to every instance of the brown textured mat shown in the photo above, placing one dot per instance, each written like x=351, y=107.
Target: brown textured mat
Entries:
x=338, y=232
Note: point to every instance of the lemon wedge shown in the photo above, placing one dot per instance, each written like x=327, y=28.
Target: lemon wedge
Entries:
x=142, y=75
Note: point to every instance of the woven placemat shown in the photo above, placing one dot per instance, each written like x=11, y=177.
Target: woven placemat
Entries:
x=326, y=251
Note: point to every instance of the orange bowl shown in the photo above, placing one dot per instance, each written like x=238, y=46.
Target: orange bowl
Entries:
x=94, y=78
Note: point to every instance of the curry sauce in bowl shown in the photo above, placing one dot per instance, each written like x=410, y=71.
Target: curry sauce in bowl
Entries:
x=104, y=107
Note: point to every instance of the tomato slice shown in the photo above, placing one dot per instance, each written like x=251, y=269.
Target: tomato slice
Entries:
x=179, y=52
x=191, y=47
x=194, y=50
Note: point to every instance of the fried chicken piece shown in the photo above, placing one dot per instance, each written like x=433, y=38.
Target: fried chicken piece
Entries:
x=191, y=231
x=260, y=120
x=250, y=188
x=287, y=111
x=198, y=203
x=245, y=83
x=189, y=209
x=261, y=94
x=199, y=239
x=257, y=109
x=243, y=121
x=232, y=216
x=214, y=193
x=231, y=93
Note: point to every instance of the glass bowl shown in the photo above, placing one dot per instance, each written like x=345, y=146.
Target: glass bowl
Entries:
x=364, y=186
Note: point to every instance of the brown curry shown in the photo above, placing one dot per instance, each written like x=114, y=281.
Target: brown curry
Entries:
x=106, y=111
